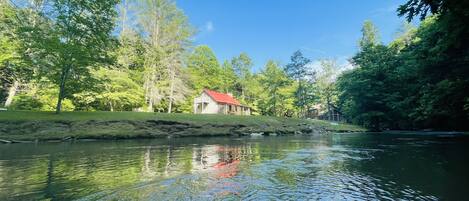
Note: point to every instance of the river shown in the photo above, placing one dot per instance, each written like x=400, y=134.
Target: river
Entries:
x=332, y=167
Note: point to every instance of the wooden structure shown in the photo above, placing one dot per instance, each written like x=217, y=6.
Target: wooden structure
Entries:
x=212, y=102
x=332, y=114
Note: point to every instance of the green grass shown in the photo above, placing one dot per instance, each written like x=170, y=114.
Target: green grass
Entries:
x=138, y=116
x=177, y=117
x=31, y=125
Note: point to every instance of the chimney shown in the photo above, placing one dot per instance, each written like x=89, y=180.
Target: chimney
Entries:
x=230, y=94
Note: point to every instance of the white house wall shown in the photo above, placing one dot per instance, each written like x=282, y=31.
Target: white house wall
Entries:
x=212, y=106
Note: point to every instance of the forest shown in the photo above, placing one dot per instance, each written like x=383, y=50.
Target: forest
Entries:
x=139, y=55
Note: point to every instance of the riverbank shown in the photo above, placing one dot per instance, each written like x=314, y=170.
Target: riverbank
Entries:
x=18, y=126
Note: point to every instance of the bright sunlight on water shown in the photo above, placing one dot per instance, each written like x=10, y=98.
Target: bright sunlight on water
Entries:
x=333, y=167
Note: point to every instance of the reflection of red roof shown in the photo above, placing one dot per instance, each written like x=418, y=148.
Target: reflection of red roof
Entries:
x=221, y=97
x=227, y=169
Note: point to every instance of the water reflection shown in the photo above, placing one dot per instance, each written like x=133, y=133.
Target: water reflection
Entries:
x=335, y=167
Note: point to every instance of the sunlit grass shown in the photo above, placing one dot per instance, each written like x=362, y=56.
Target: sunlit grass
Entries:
x=30, y=125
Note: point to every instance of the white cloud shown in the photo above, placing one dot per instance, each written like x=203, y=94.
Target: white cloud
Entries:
x=315, y=65
x=209, y=26
x=342, y=63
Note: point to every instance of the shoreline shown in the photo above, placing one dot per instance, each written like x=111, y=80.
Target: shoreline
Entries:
x=23, y=127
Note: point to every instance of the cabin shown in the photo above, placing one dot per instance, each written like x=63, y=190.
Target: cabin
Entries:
x=213, y=102
x=333, y=114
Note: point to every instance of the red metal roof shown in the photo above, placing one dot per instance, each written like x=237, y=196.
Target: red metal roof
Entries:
x=221, y=97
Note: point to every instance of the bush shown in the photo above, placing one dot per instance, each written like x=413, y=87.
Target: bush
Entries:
x=25, y=102
x=39, y=103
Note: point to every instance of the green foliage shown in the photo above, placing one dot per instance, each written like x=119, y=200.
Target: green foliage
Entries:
x=368, y=91
x=40, y=100
x=421, y=8
x=167, y=34
x=73, y=37
x=326, y=84
x=68, y=52
x=118, y=91
x=25, y=102
x=129, y=54
x=277, y=99
x=228, y=77
x=370, y=35
x=14, y=66
x=245, y=85
x=298, y=70
x=204, y=69
x=420, y=80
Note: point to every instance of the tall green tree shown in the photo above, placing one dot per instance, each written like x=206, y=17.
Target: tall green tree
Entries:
x=228, y=77
x=205, y=71
x=77, y=38
x=370, y=35
x=439, y=92
x=326, y=83
x=274, y=81
x=15, y=67
x=167, y=39
x=367, y=92
x=242, y=66
x=118, y=91
x=298, y=70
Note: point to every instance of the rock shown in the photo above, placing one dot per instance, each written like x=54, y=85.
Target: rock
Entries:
x=257, y=134
x=5, y=141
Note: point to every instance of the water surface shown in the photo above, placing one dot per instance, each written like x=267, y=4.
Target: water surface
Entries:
x=334, y=167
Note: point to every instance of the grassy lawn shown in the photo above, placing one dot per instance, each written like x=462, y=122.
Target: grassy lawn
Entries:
x=30, y=125
x=177, y=117
x=111, y=116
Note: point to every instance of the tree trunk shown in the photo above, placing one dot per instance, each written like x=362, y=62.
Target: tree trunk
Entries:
x=111, y=107
x=328, y=108
x=11, y=93
x=58, y=109
x=150, y=105
x=63, y=77
x=170, y=105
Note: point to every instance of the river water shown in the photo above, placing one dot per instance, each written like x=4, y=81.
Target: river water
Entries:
x=332, y=167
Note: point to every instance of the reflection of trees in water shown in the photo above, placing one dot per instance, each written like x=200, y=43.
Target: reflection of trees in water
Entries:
x=48, y=191
x=415, y=165
x=147, y=170
x=70, y=171
x=22, y=177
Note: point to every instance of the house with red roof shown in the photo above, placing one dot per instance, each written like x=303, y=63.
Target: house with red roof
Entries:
x=213, y=102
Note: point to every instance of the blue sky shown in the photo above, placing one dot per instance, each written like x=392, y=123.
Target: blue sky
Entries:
x=275, y=29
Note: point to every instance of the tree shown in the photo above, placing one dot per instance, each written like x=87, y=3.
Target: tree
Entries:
x=242, y=66
x=14, y=66
x=168, y=33
x=273, y=80
x=367, y=92
x=118, y=91
x=204, y=69
x=438, y=92
x=228, y=77
x=404, y=36
x=298, y=70
x=422, y=8
x=370, y=35
x=77, y=38
x=325, y=83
